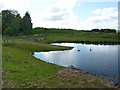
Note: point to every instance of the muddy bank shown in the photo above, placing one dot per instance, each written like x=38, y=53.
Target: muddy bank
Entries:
x=74, y=72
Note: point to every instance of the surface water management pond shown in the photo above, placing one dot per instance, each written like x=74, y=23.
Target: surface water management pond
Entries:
x=96, y=59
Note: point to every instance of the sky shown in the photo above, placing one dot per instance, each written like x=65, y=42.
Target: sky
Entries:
x=70, y=14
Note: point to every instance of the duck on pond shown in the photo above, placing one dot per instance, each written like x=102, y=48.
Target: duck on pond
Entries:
x=32, y=53
x=90, y=49
x=78, y=50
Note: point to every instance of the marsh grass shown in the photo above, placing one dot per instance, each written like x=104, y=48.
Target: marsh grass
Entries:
x=21, y=69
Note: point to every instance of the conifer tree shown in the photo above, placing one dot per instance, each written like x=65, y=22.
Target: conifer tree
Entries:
x=26, y=23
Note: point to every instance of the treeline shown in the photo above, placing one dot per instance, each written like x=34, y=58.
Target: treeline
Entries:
x=43, y=28
x=13, y=24
x=37, y=29
x=0, y=23
x=104, y=30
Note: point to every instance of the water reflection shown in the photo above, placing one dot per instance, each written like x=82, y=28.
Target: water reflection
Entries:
x=98, y=59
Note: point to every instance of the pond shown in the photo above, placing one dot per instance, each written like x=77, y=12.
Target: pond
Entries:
x=96, y=59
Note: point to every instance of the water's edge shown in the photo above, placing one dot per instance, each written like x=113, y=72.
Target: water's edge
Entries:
x=105, y=79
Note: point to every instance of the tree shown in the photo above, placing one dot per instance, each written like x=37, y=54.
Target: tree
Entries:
x=95, y=30
x=108, y=30
x=0, y=18
x=26, y=23
x=17, y=22
x=0, y=23
x=8, y=31
x=7, y=17
x=14, y=26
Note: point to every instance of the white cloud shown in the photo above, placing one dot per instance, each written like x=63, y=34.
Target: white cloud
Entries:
x=59, y=14
x=101, y=25
x=1, y=6
x=104, y=14
x=21, y=6
x=64, y=17
x=99, y=0
x=107, y=18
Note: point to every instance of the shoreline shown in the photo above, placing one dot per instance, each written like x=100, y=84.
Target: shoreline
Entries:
x=103, y=78
x=20, y=54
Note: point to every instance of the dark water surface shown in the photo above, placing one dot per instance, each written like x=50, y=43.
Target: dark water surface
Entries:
x=96, y=59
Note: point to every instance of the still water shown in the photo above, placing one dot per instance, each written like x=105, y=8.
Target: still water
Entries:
x=96, y=59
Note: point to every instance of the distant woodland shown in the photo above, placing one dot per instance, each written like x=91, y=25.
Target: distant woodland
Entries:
x=13, y=24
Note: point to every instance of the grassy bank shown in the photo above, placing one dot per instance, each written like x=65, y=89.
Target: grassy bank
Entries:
x=21, y=69
x=77, y=36
x=72, y=36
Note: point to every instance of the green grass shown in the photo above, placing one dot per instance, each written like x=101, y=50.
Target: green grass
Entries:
x=72, y=36
x=21, y=69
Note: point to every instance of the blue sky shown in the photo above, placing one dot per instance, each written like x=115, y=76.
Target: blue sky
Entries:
x=84, y=9
x=74, y=14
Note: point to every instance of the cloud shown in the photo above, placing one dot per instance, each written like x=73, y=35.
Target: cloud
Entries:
x=59, y=10
x=1, y=6
x=57, y=17
x=55, y=9
x=101, y=25
x=21, y=6
x=105, y=18
x=63, y=17
x=104, y=14
x=59, y=14
x=99, y=0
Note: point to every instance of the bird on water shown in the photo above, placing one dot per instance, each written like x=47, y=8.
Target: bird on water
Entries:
x=78, y=50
